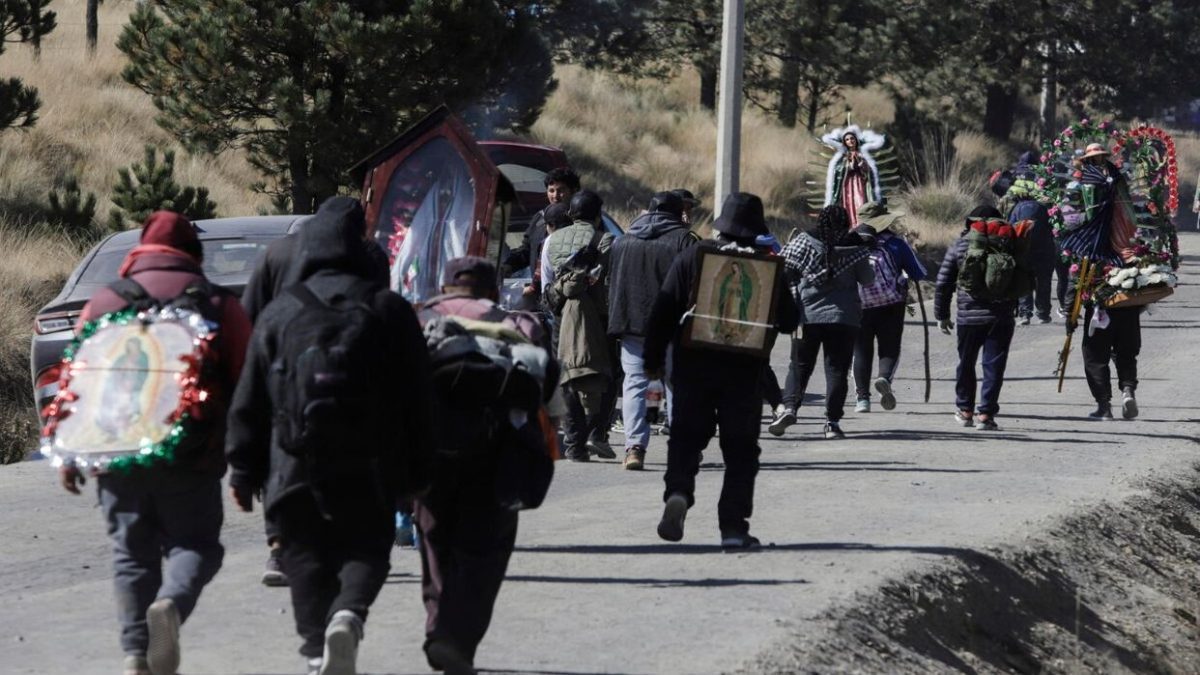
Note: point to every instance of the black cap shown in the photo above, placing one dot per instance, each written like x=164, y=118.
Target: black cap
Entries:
x=586, y=205
x=557, y=215
x=689, y=199
x=481, y=271
x=741, y=216
x=667, y=202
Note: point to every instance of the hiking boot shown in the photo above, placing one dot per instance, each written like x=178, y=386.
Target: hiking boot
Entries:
x=1129, y=408
x=577, y=455
x=601, y=449
x=635, y=458
x=273, y=574
x=162, y=620
x=863, y=405
x=887, y=399
x=833, y=431
x=1024, y=321
x=448, y=658
x=136, y=665
x=670, y=527
x=342, y=636
x=782, y=421
x=739, y=542
x=1103, y=411
x=986, y=424
x=964, y=418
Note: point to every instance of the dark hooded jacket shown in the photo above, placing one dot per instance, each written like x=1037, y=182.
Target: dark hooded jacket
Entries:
x=165, y=263
x=639, y=263
x=333, y=262
x=275, y=272
x=971, y=312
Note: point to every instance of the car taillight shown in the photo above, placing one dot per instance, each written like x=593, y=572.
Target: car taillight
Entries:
x=46, y=385
x=52, y=323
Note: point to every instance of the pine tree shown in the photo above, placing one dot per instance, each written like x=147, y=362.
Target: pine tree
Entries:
x=71, y=208
x=21, y=21
x=150, y=186
x=308, y=87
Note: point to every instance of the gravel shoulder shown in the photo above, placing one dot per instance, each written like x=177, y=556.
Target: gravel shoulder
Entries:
x=907, y=497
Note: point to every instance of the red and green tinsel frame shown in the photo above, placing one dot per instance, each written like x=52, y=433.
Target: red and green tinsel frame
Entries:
x=1145, y=155
x=180, y=421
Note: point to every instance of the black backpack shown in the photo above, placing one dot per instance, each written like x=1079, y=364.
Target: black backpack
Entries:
x=326, y=380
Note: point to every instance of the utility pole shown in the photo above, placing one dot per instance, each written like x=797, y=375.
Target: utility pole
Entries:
x=729, y=108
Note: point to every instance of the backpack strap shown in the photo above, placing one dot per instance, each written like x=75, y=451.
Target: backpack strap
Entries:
x=305, y=295
x=131, y=292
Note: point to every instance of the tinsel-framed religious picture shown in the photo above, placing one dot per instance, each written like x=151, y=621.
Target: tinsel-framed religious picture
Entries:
x=734, y=302
x=129, y=389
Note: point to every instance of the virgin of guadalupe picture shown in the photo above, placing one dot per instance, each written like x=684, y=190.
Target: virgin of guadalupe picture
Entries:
x=125, y=382
x=735, y=300
x=852, y=178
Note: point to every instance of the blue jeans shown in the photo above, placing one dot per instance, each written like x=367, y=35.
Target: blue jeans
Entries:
x=633, y=392
x=993, y=340
x=152, y=514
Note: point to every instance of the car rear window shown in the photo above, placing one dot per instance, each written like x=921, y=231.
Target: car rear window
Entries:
x=222, y=258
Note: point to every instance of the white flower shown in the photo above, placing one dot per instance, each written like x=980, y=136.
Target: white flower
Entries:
x=1156, y=278
x=1128, y=283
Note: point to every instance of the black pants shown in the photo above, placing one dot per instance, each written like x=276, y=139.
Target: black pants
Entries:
x=884, y=325
x=769, y=382
x=836, y=340
x=704, y=398
x=1120, y=342
x=582, y=425
x=466, y=541
x=332, y=564
x=1039, y=297
x=993, y=339
x=1062, y=277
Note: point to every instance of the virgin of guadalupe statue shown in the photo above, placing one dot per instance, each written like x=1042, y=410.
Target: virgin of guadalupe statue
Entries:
x=853, y=176
x=1107, y=222
x=734, y=294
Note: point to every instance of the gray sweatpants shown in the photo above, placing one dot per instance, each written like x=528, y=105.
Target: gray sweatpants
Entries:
x=155, y=514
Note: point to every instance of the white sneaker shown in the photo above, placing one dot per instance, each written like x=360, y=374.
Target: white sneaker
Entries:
x=863, y=405
x=887, y=399
x=162, y=620
x=341, y=643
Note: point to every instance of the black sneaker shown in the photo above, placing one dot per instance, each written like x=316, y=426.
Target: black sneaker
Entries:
x=782, y=421
x=739, y=542
x=273, y=574
x=577, y=455
x=601, y=449
x=887, y=399
x=670, y=527
x=1129, y=408
x=986, y=424
x=1103, y=411
x=833, y=431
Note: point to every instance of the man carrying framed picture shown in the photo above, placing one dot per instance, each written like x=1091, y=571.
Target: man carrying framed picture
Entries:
x=720, y=307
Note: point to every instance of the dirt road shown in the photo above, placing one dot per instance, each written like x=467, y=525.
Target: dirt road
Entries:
x=591, y=589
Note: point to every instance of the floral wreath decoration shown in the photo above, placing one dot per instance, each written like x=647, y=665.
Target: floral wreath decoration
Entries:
x=1146, y=157
x=181, y=419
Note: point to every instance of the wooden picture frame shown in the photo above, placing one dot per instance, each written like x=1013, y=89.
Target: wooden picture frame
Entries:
x=733, y=302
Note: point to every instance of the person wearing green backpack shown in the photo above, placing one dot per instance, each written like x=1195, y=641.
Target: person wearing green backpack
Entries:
x=987, y=273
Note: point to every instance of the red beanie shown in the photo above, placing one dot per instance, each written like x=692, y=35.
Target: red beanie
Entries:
x=167, y=228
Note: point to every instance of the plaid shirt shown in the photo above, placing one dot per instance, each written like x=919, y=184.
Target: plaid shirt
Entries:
x=887, y=289
x=802, y=257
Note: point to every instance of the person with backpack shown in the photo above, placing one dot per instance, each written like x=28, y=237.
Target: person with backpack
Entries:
x=575, y=261
x=561, y=185
x=1018, y=202
x=884, y=302
x=492, y=377
x=277, y=270
x=986, y=277
x=640, y=261
x=168, y=511
x=824, y=269
x=712, y=388
x=331, y=419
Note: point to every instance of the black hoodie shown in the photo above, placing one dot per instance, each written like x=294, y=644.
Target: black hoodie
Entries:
x=333, y=261
x=639, y=263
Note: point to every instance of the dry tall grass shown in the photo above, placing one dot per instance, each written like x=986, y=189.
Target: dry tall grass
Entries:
x=91, y=123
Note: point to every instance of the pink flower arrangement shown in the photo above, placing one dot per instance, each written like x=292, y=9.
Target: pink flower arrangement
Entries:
x=1075, y=268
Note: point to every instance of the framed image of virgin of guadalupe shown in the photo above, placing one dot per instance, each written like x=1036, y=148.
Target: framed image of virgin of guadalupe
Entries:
x=733, y=302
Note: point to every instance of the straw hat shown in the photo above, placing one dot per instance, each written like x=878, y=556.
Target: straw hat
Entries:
x=1094, y=150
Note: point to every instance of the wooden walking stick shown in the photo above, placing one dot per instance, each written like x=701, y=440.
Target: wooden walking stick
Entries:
x=925, y=326
x=1086, y=271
